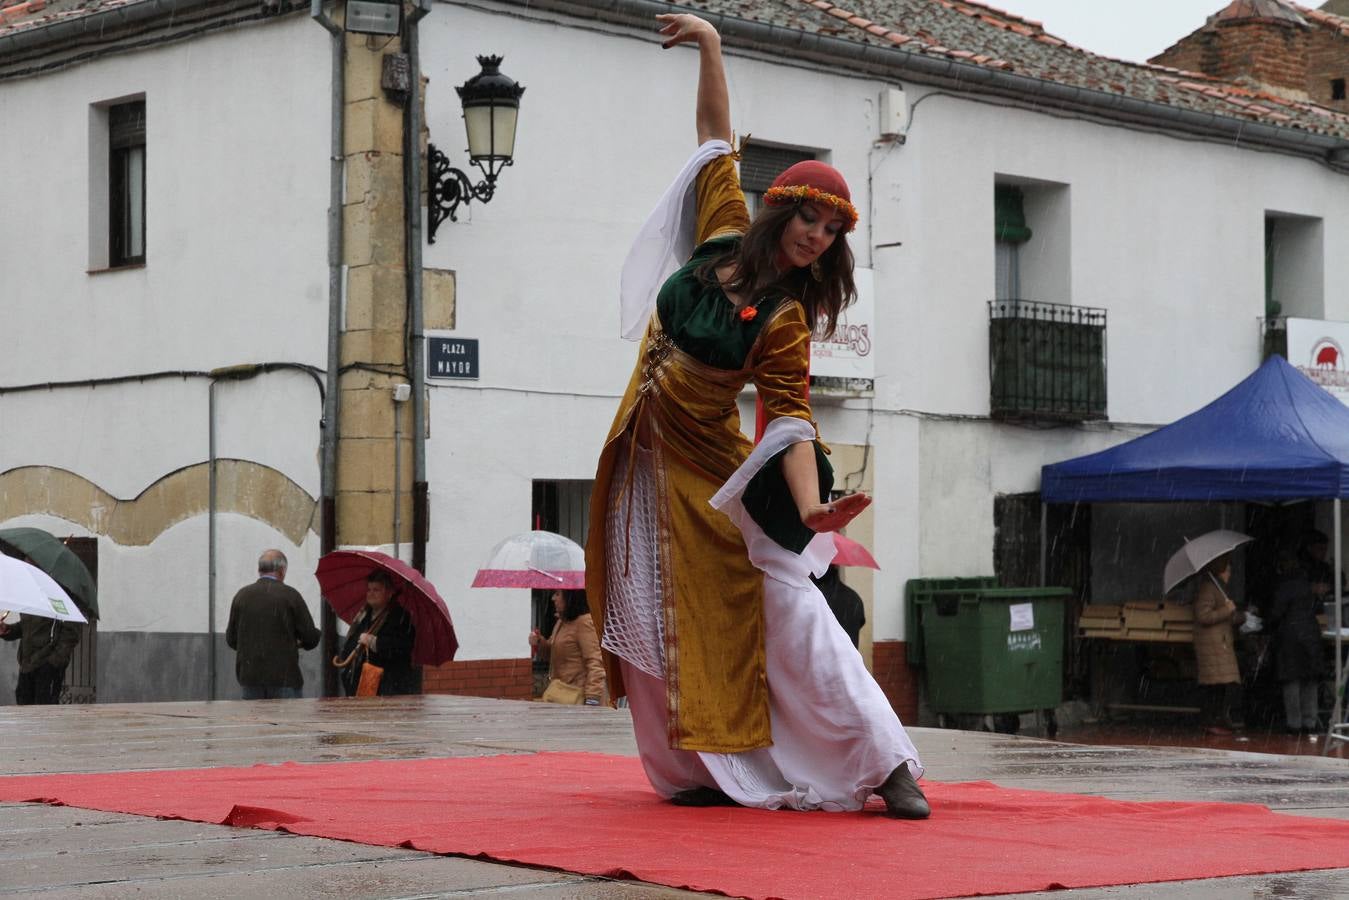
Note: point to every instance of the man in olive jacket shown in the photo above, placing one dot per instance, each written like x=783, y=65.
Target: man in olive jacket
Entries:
x=45, y=647
x=268, y=623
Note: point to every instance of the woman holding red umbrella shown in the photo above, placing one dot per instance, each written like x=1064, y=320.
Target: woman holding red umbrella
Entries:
x=382, y=635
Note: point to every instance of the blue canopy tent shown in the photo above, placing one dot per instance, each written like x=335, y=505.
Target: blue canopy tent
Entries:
x=1275, y=436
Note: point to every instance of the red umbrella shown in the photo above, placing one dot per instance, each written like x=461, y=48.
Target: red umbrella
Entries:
x=342, y=576
x=848, y=552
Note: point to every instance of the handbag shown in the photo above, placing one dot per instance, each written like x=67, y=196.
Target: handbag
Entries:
x=371, y=675
x=558, y=691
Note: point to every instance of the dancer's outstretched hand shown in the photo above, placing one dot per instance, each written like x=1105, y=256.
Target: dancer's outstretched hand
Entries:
x=836, y=514
x=684, y=29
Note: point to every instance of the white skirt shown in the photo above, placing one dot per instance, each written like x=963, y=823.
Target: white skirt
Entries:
x=835, y=736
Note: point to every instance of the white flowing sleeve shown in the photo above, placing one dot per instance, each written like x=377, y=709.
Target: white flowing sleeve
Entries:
x=764, y=552
x=663, y=244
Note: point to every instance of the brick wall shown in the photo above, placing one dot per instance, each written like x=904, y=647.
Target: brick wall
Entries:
x=1327, y=59
x=1187, y=54
x=507, y=679
x=899, y=681
x=1281, y=57
x=1270, y=54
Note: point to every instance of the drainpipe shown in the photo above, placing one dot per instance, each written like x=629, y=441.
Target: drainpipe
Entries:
x=328, y=469
x=247, y=370
x=1339, y=615
x=210, y=542
x=412, y=205
x=400, y=396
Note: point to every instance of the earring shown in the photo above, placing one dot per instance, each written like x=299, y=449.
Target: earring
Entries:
x=817, y=271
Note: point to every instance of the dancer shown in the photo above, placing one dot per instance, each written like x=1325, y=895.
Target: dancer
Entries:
x=698, y=563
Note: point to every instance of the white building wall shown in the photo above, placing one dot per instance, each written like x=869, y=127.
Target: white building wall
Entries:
x=537, y=268
x=1166, y=234
x=1156, y=233
x=236, y=272
x=236, y=268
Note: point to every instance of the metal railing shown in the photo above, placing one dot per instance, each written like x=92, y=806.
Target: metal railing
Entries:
x=1046, y=361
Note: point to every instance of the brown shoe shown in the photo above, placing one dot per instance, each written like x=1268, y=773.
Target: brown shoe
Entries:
x=903, y=797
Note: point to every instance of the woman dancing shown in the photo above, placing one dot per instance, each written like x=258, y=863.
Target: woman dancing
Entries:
x=742, y=686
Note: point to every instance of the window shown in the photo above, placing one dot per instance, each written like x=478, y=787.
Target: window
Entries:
x=759, y=165
x=1046, y=357
x=1294, y=266
x=1337, y=89
x=126, y=184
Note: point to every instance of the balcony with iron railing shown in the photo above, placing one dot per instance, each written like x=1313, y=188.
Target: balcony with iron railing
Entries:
x=1046, y=361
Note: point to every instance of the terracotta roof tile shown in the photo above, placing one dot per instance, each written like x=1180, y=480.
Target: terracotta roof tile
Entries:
x=26, y=14
x=967, y=31
x=1324, y=19
x=980, y=34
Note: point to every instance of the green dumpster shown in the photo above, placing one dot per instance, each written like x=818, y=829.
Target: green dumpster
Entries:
x=989, y=650
x=920, y=589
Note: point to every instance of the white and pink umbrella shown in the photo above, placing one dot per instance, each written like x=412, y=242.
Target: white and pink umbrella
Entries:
x=848, y=552
x=534, y=559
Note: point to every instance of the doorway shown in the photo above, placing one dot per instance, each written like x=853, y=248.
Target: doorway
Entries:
x=562, y=507
x=81, y=684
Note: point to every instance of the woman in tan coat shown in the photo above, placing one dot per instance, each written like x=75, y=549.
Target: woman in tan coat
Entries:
x=1214, y=646
x=573, y=650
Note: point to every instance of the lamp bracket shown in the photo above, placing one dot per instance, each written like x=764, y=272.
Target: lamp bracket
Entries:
x=448, y=187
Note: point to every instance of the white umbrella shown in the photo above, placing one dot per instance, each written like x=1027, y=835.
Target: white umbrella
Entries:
x=28, y=589
x=534, y=559
x=1198, y=553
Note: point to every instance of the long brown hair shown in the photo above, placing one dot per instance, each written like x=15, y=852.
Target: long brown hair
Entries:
x=755, y=274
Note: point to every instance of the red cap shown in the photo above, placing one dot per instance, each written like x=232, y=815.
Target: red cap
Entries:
x=816, y=182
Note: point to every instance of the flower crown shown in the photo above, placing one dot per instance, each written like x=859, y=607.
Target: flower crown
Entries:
x=803, y=193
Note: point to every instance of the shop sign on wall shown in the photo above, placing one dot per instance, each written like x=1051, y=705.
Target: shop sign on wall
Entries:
x=1316, y=348
x=848, y=354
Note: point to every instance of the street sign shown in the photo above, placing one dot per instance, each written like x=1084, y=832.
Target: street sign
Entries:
x=451, y=357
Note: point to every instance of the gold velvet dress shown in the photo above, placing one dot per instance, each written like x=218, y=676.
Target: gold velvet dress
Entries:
x=686, y=601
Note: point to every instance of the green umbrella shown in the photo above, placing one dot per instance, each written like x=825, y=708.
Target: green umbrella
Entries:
x=58, y=561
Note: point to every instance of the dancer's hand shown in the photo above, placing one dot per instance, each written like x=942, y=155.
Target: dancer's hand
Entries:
x=684, y=29
x=836, y=514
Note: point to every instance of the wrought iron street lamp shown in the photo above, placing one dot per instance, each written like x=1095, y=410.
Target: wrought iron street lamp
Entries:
x=491, y=103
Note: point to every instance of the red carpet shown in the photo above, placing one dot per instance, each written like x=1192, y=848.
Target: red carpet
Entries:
x=594, y=814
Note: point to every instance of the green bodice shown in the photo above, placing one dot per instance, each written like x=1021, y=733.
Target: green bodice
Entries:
x=700, y=319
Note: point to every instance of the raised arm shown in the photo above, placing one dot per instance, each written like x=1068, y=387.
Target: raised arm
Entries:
x=714, y=103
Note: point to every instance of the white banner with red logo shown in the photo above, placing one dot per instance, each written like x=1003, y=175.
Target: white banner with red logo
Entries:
x=1317, y=349
x=848, y=354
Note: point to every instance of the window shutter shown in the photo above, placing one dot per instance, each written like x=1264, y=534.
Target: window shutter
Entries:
x=1009, y=219
x=760, y=165
x=126, y=125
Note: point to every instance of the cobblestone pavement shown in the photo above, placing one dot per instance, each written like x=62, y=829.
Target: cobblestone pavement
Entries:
x=60, y=852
